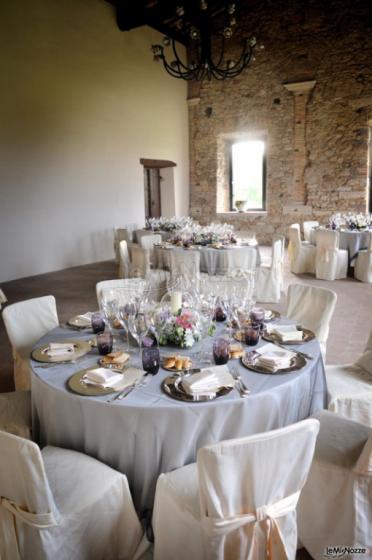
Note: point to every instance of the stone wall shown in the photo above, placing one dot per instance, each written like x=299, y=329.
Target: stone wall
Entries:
x=317, y=137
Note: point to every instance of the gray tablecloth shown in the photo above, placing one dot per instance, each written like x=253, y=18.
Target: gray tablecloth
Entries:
x=353, y=241
x=214, y=261
x=148, y=433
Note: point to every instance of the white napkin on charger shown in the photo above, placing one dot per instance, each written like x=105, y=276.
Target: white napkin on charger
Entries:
x=273, y=358
x=85, y=318
x=108, y=378
x=285, y=332
x=102, y=377
x=208, y=381
x=60, y=349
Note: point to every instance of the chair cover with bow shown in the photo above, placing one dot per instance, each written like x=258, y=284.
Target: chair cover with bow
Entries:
x=147, y=242
x=335, y=506
x=185, y=268
x=120, y=234
x=331, y=263
x=301, y=255
x=308, y=226
x=269, y=279
x=124, y=260
x=312, y=308
x=248, y=490
x=15, y=413
x=26, y=322
x=363, y=263
x=350, y=388
x=62, y=504
x=141, y=267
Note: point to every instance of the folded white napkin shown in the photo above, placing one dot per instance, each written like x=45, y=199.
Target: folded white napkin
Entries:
x=60, y=349
x=86, y=318
x=286, y=332
x=102, y=377
x=273, y=358
x=208, y=381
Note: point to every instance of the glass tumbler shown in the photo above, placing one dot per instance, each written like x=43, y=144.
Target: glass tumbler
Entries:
x=221, y=349
x=98, y=323
x=104, y=343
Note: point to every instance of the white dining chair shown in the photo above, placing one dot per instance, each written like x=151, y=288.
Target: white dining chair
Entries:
x=58, y=503
x=307, y=227
x=350, y=388
x=147, y=242
x=135, y=285
x=331, y=262
x=301, y=255
x=312, y=308
x=124, y=260
x=269, y=277
x=238, y=500
x=363, y=263
x=335, y=506
x=26, y=322
x=157, y=278
x=3, y=298
x=120, y=234
x=15, y=413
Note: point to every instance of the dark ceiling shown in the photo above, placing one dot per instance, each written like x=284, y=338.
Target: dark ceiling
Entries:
x=161, y=15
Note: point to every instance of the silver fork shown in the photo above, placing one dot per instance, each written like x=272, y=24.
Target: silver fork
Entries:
x=139, y=383
x=240, y=385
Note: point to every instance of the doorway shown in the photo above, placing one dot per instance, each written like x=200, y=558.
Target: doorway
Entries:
x=152, y=193
x=159, y=189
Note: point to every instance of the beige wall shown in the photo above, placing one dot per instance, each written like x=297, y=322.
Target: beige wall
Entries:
x=80, y=104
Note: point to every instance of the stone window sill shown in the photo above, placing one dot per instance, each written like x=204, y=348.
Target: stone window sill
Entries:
x=244, y=213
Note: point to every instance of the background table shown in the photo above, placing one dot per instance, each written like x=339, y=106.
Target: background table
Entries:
x=214, y=261
x=148, y=433
x=351, y=240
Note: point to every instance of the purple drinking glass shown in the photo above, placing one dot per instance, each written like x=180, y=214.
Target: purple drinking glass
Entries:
x=252, y=334
x=98, y=323
x=151, y=359
x=221, y=349
x=104, y=343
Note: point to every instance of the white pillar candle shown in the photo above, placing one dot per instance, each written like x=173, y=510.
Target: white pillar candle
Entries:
x=176, y=302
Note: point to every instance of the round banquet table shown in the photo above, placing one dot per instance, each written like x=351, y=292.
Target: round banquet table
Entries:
x=148, y=433
x=214, y=261
x=351, y=240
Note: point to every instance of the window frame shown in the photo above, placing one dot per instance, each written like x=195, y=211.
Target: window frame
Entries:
x=264, y=176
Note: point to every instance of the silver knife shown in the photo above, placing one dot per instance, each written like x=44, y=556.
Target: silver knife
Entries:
x=289, y=349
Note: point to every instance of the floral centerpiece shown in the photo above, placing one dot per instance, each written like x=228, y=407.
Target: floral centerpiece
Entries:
x=205, y=235
x=181, y=329
x=354, y=221
x=169, y=224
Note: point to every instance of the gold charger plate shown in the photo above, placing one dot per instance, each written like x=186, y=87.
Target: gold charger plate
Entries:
x=306, y=337
x=172, y=386
x=75, y=384
x=79, y=323
x=297, y=363
x=82, y=347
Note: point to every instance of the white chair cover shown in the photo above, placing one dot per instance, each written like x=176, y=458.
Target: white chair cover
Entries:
x=124, y=260
x=335, y=506
x=3, y=298
x=138, y=234
x=350, y=388
x=26, y=322
x=269, y=279
x=301, y=255
x=331, y=263
x=62, y=504
x=308, y=226
x=15, y=413
x=135, y=285
x=312, y=308
x=120, y=234
x=147, y=242
x=363, y=264
x=248, y=490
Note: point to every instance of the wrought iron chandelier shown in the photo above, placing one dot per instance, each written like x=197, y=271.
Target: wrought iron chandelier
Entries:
x=203, y=60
